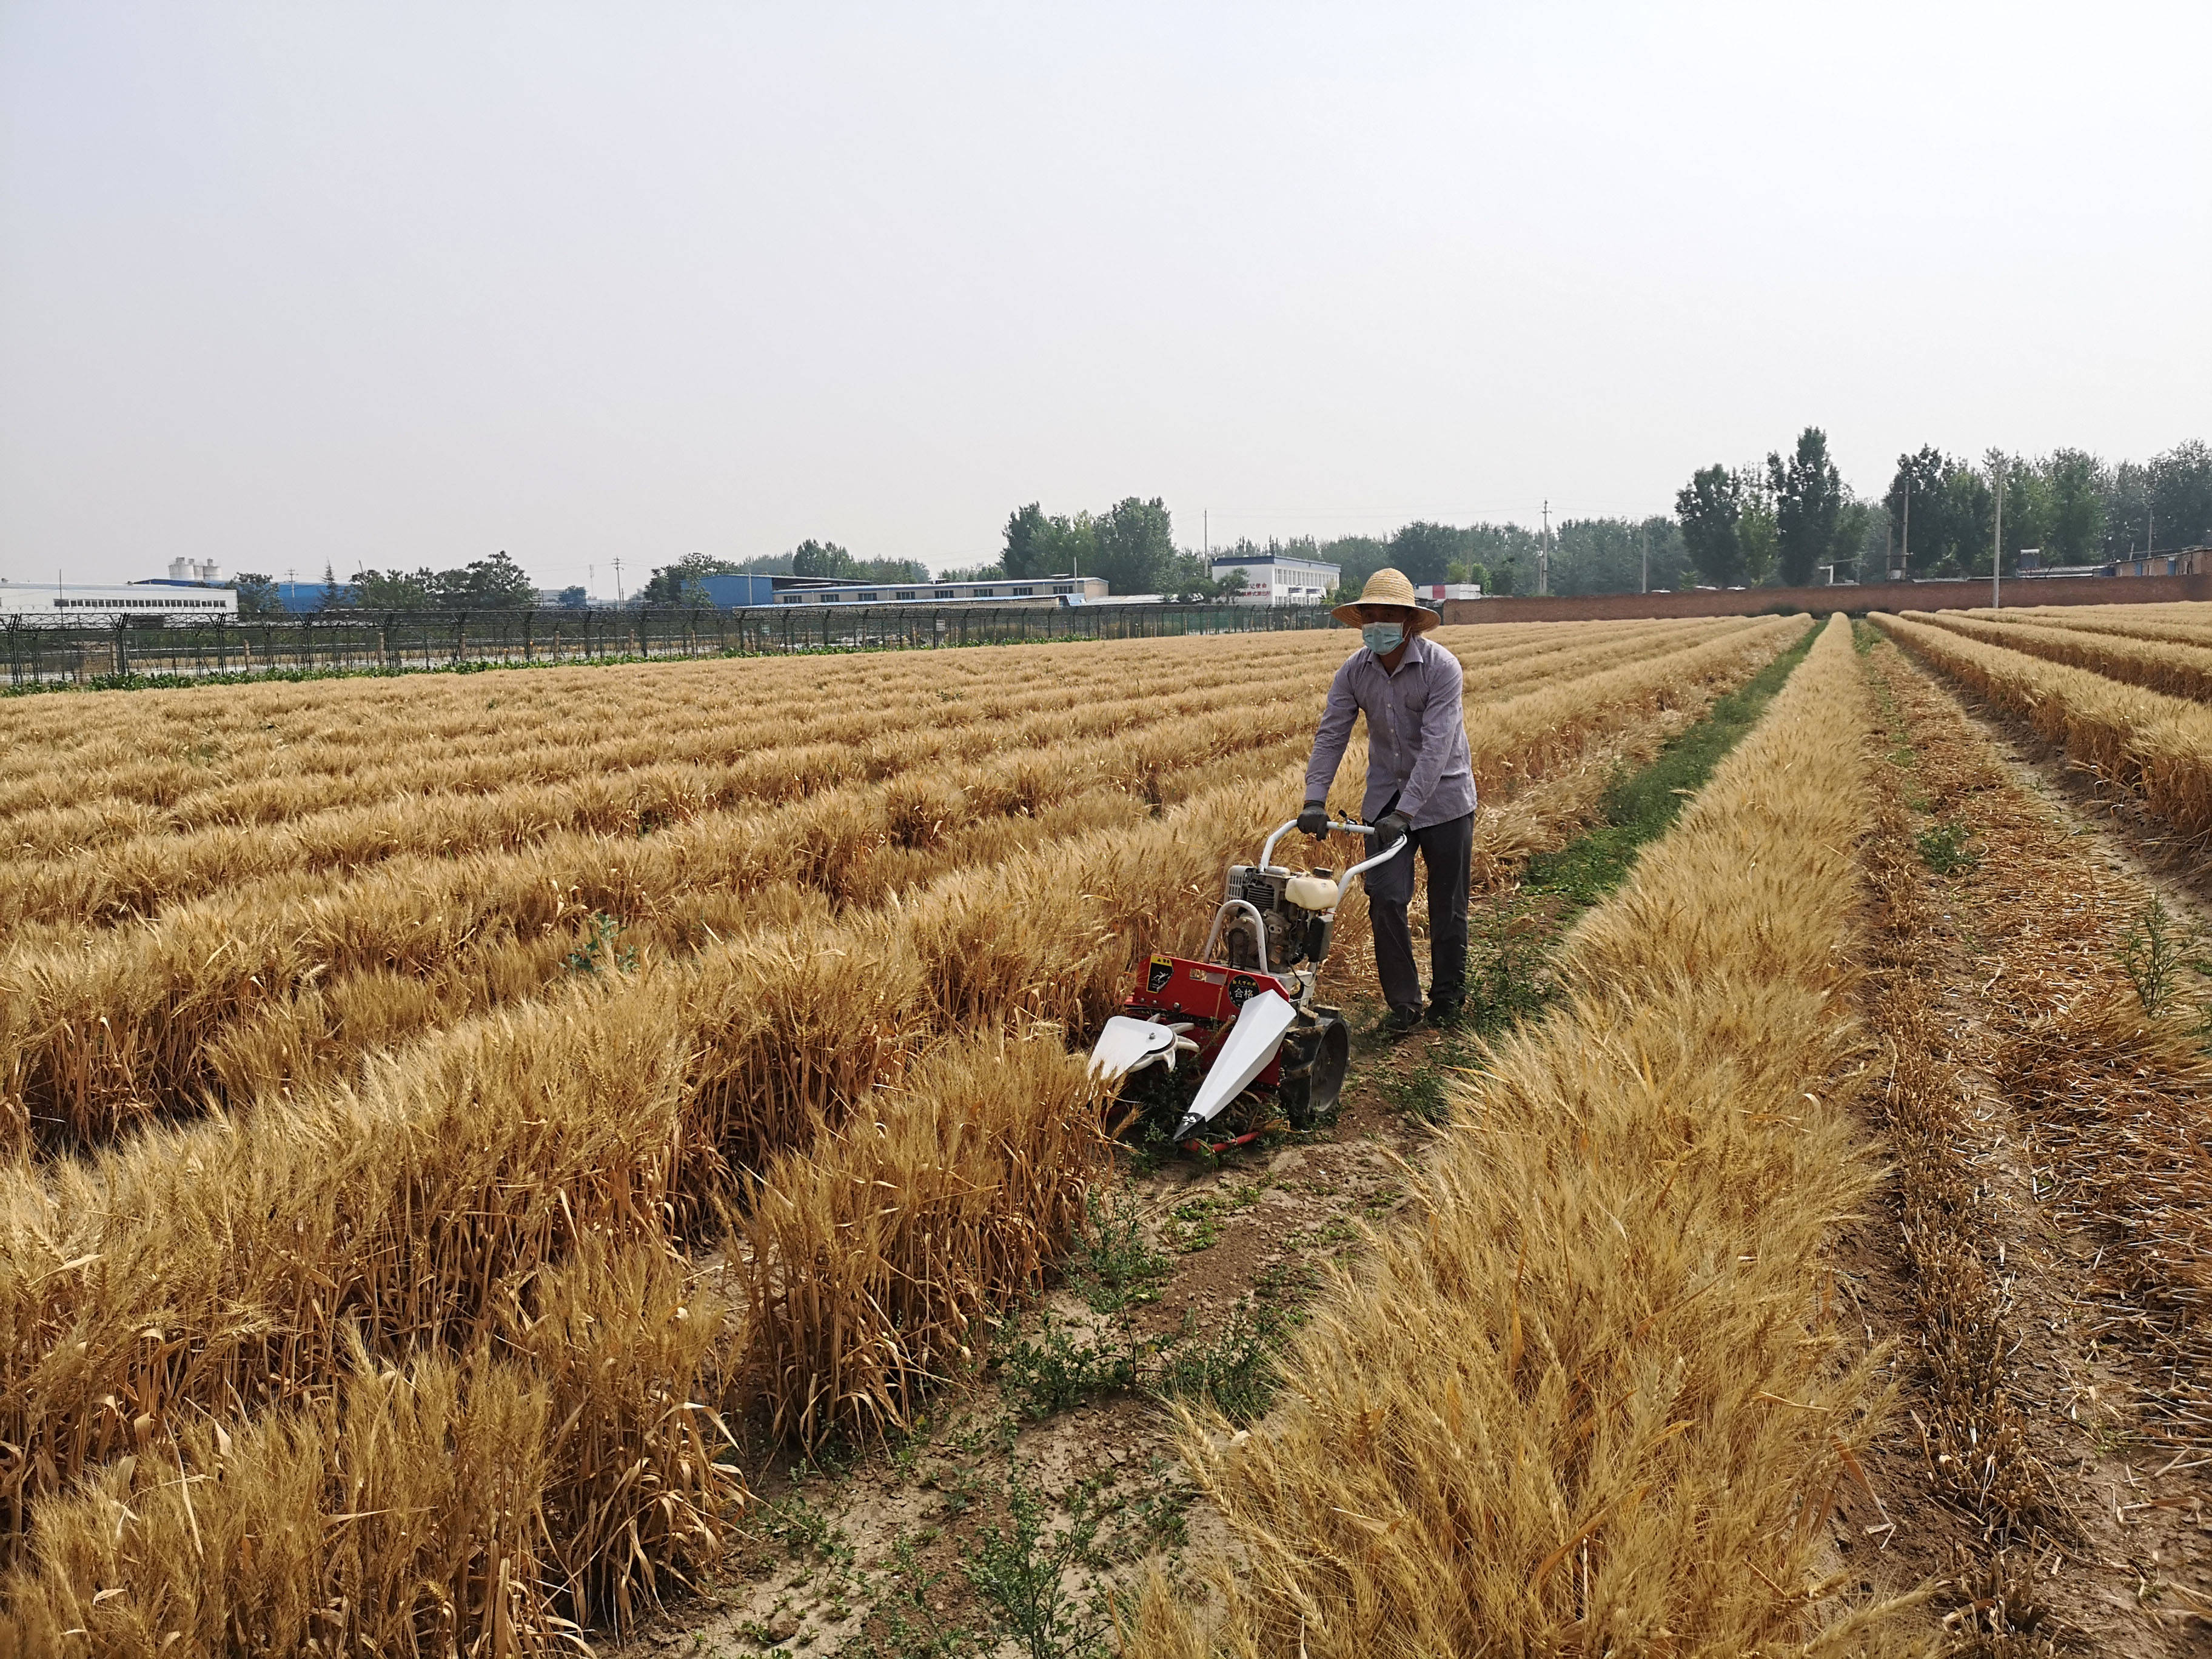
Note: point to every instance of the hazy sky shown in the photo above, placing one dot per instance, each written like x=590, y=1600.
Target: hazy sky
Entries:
x=395, y=284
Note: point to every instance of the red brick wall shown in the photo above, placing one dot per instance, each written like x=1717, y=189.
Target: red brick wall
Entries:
x=1873, y=596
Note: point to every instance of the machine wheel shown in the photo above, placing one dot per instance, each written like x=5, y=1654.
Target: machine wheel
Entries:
x=1317, y=1053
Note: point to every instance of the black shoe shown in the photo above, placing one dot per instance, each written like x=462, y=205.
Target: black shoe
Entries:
x=1446, y=1016
x=1399, y=1021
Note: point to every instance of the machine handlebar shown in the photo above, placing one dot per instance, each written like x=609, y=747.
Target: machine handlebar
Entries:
x=1338, y=826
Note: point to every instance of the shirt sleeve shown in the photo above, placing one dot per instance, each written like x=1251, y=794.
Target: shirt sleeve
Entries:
x=1442, y=721
x=1334, y=731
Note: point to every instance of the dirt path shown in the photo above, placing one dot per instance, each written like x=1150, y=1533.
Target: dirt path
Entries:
x=2046, y=1467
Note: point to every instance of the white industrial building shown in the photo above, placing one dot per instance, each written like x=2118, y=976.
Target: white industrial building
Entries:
x=188, y=593
x=1278, y=578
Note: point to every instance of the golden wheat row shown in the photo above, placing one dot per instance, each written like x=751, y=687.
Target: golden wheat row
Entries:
x=605, y=733
x=224, y=998
x=177, y=791
x=2156, y=747
x=260, y=990
x=2180, y=670
x=148, y=873
x=341, y=715
x=139, y=872
x=1587, y=1393
x=144, y=747
x=2185, y=624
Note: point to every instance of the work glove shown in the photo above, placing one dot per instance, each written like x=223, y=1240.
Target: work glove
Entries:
x=1390, y=829
x=1313, y=819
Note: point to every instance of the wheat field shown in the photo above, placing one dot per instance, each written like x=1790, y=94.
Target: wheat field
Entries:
x=462, y=1132
x=383, y=1065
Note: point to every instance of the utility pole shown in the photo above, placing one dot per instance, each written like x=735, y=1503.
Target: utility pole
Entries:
x=1904, y=550
x=1996, y=542
x=2150, y=532
x=618, y=592
x=1544, y=553
x=1647, y=556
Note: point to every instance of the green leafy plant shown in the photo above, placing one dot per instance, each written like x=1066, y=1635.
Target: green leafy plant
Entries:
x=1021, y=1570
x=1236, y=1371
x=1420, y=1094
x=1943, y=848
x=602, y=949
x=2153, y=953
x=1060, y=1368
x=1116, y=1268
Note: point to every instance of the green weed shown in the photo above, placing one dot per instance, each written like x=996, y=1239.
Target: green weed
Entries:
x=1640, y=806
x=1420, y=1094
x=1060, y=1368
x=1116, y=1268
x=1943, y=848
x=2152, y=954
x=602, y=950
x=1236, y=1371
x=1021, y=1572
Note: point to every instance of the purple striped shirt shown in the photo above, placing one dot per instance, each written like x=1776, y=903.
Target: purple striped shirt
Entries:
x=1416, y=734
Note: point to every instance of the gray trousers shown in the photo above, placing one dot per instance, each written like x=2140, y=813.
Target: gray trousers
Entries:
x=1448, y=849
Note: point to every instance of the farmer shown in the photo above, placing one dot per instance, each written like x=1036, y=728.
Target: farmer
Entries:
x=1420, y=783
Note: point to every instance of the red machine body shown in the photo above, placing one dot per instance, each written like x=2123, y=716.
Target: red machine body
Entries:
x=1209, y=993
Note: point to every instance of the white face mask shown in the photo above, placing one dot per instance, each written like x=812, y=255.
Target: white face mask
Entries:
x=1382, y=638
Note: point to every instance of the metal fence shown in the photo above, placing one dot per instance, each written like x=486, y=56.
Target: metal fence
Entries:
x=133, y=648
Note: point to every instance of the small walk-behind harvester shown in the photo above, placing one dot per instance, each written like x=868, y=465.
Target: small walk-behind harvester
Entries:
x=1244, y=1009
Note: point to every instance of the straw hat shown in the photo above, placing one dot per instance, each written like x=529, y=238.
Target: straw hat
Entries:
x=1388, y=586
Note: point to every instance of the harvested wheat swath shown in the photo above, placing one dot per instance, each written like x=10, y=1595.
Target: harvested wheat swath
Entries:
x=1585, y=1398
x=2181, y=670
x=2107, y=1068
x=1974, y=1432
x=2155, y=747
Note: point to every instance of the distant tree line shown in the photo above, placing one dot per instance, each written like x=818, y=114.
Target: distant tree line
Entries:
x=679, y=583
x=1131, y=544
x=2071, y=507
x=1786, y=520
x=496, y=583
x=1588, y=556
